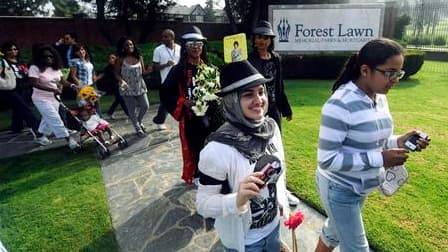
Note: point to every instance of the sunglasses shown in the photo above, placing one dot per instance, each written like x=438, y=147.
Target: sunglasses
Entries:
x=13, y=49
x=191, y=44
x=263, y=37
x=392, y=75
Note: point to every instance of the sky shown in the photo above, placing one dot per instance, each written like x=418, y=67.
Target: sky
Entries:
x=218, y=3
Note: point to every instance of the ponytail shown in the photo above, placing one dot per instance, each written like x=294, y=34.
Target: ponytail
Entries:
x=350, y=72
x=373, y=53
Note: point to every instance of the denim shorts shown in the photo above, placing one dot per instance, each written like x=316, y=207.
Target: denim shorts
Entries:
x=344, y=225
x=269, y=243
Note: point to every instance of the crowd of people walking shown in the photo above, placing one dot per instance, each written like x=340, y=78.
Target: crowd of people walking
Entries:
x=234, y=153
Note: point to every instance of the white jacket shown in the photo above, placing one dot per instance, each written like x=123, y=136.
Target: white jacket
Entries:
x=222, y=161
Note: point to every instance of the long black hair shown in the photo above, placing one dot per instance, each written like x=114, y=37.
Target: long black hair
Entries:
x=38, y=58
x=376, y=52
x=121, y=52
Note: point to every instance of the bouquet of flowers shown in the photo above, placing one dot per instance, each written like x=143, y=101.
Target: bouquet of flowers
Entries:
x=87, y=94
x=206, y=84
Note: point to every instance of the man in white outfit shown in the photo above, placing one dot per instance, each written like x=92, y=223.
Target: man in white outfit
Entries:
x=165, y=56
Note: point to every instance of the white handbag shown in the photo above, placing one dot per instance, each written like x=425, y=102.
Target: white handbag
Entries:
x=8, y=78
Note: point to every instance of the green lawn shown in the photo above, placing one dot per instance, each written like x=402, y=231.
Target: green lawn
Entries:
x=416, y=218
x=50, y=203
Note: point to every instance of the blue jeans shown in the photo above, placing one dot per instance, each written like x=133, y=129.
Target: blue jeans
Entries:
x=267, y=244
x=344, y=225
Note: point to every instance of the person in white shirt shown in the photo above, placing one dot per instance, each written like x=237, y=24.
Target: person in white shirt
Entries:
x=246, y=202
x=165, y=56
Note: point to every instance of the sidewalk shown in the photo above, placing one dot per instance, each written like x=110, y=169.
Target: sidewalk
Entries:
x=150, y=206
x=153, y=210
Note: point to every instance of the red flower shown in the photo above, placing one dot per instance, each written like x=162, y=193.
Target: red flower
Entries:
x=295, y=220
x=23, y=69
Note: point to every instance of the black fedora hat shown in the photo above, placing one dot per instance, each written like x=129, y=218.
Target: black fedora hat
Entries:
x=193, y=33
x=238, y=75
x=264, y=28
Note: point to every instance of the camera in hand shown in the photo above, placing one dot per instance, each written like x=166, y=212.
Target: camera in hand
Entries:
x=411, y=142
x=271, y=172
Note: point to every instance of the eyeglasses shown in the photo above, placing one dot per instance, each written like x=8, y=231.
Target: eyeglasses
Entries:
x=263, y=37
x=392, y=75
x=191, y=44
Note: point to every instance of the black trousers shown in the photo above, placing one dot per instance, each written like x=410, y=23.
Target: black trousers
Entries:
x=21, y=112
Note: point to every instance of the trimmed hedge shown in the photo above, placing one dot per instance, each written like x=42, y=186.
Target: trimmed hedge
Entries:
x=413, y=62
x=329, y=66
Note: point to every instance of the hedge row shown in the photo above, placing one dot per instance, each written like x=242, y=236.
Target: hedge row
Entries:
x=329, y=66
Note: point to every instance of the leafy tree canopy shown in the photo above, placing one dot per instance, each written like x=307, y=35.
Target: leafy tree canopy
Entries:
x=23, y=7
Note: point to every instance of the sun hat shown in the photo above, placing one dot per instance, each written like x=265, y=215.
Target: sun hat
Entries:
x=264, y=28
x=193, y=33
x=237, y=75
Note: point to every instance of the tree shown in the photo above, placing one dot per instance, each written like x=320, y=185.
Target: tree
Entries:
x=65, y=8
x=249, y=12
x=23, y=7
x=209, y=12
x=147, y=12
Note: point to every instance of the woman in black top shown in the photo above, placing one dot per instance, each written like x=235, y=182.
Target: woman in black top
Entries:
x=268, y=63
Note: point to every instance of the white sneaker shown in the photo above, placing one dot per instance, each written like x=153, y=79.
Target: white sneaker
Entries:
x=72, y=144
x=143, y=127
x=72, y=132
x=196, y=182
x=161, y=126
x=292, y=200
x=140, y=133
x=43, y=140
x=394, y=178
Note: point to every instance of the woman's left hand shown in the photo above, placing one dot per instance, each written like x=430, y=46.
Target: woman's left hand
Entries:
x=421, y=143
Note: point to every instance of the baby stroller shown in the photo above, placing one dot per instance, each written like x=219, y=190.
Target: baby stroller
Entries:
x=74, y=122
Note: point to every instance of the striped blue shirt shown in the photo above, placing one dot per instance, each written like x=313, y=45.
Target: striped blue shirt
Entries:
x=353, y=132
x=84, y=70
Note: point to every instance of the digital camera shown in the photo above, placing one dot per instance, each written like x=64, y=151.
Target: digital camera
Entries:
x=411, y=142
x=271, y=172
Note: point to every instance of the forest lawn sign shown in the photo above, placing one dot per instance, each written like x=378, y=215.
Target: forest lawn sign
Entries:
x=337, y=27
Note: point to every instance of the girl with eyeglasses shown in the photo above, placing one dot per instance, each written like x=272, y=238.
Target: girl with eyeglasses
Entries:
x=356, y=142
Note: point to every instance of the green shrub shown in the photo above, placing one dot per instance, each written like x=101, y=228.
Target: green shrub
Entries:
x=329, y=66
x=439, y=41
x=413, y=62
x=313, y=66
x=420, y=40
x=400, y=26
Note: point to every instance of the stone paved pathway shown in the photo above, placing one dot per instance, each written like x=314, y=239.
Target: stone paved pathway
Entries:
x=151, y=208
